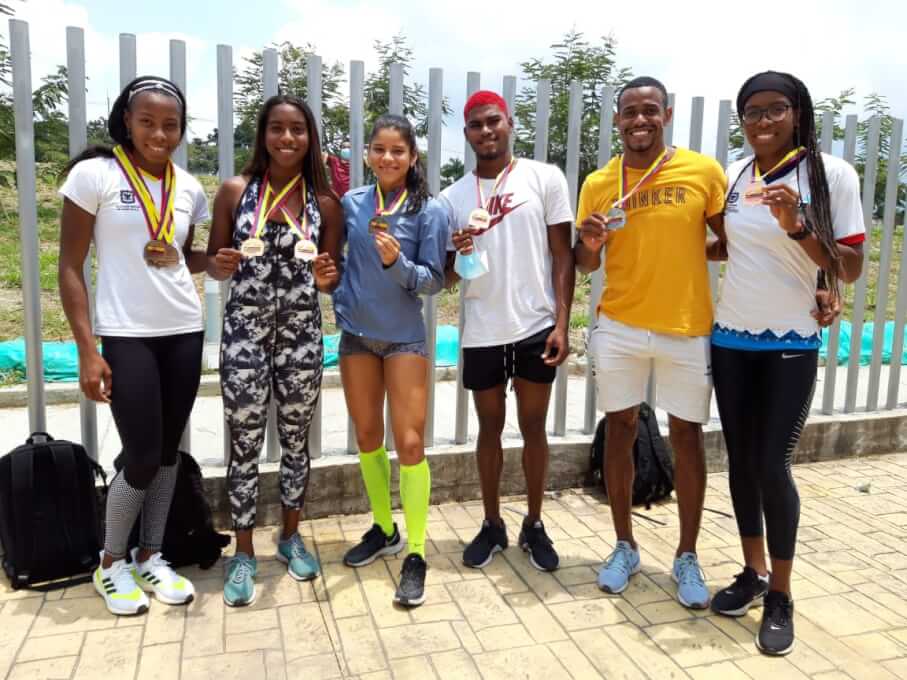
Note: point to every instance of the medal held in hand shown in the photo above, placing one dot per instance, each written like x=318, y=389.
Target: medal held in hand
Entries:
x=617, y=216
x=159, y=252
x=254, y=246
x=378, y=223
x=479, y=219
x=755, y=190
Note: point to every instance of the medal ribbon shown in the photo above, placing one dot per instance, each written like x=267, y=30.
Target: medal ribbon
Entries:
x=499, y=183
x=303, y=229
x=379, y=202
x=266, y=206
x=625, y=195
x=780, y=168
x=160, y=227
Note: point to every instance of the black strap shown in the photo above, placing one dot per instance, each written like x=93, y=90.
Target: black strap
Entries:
x=23, y=473
x=68, y=491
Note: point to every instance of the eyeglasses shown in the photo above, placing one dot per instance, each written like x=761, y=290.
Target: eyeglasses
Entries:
x=776, y=113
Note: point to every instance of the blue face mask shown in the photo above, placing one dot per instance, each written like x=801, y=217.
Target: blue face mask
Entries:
x=470, y=266
x=345, y=154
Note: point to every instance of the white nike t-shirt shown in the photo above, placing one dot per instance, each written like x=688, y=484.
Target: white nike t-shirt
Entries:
x=133, y=299
x=515, y=299
x=770, y=281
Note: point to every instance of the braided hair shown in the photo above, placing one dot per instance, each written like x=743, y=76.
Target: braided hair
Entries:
x=819, y=207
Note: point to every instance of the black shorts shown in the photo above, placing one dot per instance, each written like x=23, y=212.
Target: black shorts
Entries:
x=487, y=367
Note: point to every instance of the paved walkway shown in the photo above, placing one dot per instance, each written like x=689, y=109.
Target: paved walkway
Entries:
x=510, y=621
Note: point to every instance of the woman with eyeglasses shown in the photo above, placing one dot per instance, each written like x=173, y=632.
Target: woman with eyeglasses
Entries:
x=792, y=215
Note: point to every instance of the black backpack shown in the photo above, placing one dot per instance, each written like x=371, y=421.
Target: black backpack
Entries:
x=49, y=520
x=189, y=537
x=654, y=469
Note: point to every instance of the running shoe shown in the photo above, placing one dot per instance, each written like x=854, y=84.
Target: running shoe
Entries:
x=776, y=634
x=373, y=545
x=301, y=564
x=411, y=591
x=155, y=576
x=747, y=590
x=492, y=538
x=117, y=586
x=535, y=541
x=691, y=589
x=622, y=563
x=239, y=581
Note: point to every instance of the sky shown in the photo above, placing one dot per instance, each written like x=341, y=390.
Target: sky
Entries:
x=696, y=48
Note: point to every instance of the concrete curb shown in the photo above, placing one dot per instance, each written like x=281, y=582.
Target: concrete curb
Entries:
x=336, y=485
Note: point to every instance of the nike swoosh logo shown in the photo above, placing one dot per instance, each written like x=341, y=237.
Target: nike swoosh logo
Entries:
x=506, y=211
x=785, y=355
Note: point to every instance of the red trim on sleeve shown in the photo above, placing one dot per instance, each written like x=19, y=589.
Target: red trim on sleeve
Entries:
x=853, y=240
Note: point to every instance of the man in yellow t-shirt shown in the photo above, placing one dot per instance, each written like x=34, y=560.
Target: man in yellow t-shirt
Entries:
x=650, y=207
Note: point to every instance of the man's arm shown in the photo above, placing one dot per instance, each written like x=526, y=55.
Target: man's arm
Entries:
x=564, y=279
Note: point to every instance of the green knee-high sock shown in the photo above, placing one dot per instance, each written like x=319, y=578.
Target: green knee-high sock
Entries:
x=376, y=472
x=415, y=490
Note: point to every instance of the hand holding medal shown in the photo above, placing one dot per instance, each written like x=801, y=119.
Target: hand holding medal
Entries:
x=470, y=263
x=388, y=248
x=617, y=216
x=378, y=224
x=226, y=262
x=756, y=189
x=594, y=232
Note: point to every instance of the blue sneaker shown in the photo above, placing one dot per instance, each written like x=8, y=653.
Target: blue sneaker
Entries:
x=301, y=564
x=691, y=589
x=239, y=583
x=614, y=576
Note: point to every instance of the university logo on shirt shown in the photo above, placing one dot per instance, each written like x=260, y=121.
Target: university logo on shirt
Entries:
x=127, y=197
x=732, y=200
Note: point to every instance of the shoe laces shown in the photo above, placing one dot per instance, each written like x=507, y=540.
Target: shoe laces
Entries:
x=689, y=571
x=297, y=547
x=372, y=534
x=158, y=566
x=411, y=567
x=778, y=610
x=535, y=534
x=121, y=576
x=620, y=559
x=239, y=569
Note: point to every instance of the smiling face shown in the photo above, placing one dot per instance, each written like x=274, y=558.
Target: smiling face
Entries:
x=286, y=136
x=390, y=157
x=488, y=132
x=154, y=122
x=641, y=118
x=773, y=132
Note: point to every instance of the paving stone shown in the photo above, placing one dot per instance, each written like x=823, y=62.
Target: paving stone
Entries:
x=361, y=648
x=481, y=603
x=572, y=658
x=542, y=626
x=526, y=663
x=694, y=642
x=219, y=666
x=160, y=662
x=48, y=647
x=60, y=667
x=109, y=654
x=426, y=638
x=586, y=614
x=839, y=616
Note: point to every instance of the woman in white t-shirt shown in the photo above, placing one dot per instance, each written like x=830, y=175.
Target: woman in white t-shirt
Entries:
x=793, y=214
x=140, y=211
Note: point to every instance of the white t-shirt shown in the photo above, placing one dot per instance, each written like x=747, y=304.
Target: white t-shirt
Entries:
x=133, y=299
x=770, y=281
x=515, y=299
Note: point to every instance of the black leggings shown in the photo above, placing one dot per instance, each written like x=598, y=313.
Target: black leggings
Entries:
x=764, y=399
x=154, y=383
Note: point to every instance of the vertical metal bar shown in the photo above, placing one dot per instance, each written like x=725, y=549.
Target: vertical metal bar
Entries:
x=722, y=144
x=859, y=303
x=313, y=99
x=697, y=111
x=574, y=130
x=78, y=139
x=269, y=89
x=178, y=76
x=509, y=94
x=542, y=116
x=357, y=174
x=430, y=309
x=886, y=254
x=28, y=221
x=225, y=170
x=127, y=59
x=900, y=312
x=461, y=424
x=395, y=95
x=604, y=155
x=834, y=333
x=669, y=128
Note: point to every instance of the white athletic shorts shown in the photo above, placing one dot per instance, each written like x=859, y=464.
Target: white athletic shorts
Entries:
x=624, y=358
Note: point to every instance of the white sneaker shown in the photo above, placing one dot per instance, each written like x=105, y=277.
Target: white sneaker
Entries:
x=156, y=576
x=117, y=586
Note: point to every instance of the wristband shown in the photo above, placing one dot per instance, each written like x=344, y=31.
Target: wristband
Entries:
x=806, y=229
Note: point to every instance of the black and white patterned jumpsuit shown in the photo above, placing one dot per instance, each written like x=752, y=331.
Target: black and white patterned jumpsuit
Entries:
x=271, y=339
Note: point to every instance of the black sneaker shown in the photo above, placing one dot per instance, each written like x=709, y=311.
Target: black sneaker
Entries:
x=776, y=634
x=747, y=590
x=411, y=591
x=373, y=545
x=535, y=541
x=491, y=539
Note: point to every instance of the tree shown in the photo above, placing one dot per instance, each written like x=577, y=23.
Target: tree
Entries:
x=203, y=155
x=575, y=59
x=451, y=171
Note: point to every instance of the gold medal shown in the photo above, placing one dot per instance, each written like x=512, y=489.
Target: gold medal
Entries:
x=160, y=254
x=479, y=219
x=252, y=247
x=305, y=250
x=376, y=224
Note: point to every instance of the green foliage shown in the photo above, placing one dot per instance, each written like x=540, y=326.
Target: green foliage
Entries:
x=575, y=59
x=451, y=171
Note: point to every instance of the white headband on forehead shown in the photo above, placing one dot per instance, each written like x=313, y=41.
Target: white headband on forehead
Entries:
x=152, y=85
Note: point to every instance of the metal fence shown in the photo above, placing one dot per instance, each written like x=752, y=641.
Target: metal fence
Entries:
x=214, y=293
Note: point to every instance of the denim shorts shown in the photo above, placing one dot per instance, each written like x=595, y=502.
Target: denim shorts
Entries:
x=357, y=344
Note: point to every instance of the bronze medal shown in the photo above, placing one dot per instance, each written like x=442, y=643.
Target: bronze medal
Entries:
x=160, y=254
x=305, y=250
x=376, y=224
x=479, y=220
x=252, y=247
x=752, y=195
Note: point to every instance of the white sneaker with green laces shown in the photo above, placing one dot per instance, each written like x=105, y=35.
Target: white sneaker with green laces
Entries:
x=117, y=586
x=156, y=576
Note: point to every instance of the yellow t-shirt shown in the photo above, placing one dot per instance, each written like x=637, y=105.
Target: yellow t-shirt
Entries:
x=656, y=274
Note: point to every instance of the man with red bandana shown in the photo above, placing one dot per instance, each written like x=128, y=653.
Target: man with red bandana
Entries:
x=510, y=224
